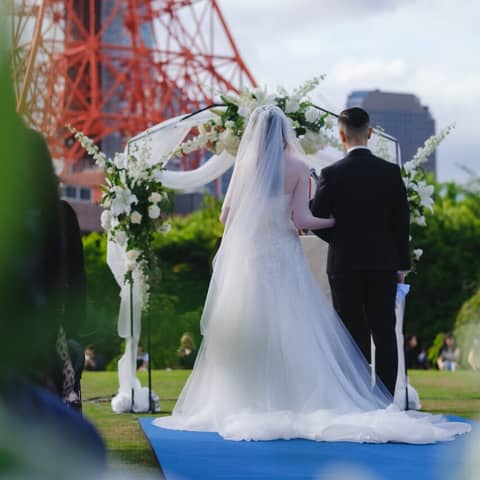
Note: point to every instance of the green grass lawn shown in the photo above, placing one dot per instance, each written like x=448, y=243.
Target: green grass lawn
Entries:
x=440, y=392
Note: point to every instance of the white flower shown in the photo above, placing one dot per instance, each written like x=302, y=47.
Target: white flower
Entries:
x=132, y=259
x=133, y=255
x=120, y=161
x=409, y=166
x=153, y=211
x=418, y=252
x=420, y=221
x=155, y=197
x=425, y=192
x=230, y=142
x=219, y=147
x=122, y=203
x=131, y=266
x=311, y=142
x=136, y=217
x=106, y=220
x=329, y=123
x=312, y=114
x=120, y=237
x=292, y=105
x=165, y=228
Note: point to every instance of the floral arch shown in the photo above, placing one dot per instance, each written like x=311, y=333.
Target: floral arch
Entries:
x=137, y=180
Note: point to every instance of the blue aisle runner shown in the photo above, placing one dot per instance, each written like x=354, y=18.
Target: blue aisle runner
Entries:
x=207, y=456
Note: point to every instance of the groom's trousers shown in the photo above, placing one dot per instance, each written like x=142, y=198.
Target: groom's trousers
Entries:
x=365, y=301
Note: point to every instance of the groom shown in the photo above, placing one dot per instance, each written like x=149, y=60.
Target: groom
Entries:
x=369, y=245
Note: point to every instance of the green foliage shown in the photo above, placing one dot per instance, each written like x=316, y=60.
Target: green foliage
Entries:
x=179, y=285
x=448, y=273
x=102, y=298
x=469, y=314
x=467, y=326
x=434, y=350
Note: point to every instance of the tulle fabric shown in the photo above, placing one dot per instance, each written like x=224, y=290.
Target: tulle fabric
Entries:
x=276, y=362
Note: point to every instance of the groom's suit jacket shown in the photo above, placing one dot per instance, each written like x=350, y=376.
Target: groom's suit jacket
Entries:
x=367, y=197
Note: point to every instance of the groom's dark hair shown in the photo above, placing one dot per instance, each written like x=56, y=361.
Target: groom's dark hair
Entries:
x=354, y=122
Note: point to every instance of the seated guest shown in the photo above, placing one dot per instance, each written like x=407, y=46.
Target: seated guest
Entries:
x=142, y=359
x=90, y=358
x=186, y=352
x=423, y=361
x=449, y=354
x=412, y=351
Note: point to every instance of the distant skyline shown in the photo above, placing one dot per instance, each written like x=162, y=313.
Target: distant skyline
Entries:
x=424, y=47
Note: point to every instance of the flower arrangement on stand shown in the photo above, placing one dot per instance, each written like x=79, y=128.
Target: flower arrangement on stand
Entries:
x=133, y=200
x=419, y=193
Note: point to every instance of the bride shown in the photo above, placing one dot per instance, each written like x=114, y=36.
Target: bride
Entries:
x=276, y=362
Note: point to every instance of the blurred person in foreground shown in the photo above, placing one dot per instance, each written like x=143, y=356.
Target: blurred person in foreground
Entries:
x=40, y=437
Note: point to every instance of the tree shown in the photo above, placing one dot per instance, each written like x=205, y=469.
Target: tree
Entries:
x=448, y=273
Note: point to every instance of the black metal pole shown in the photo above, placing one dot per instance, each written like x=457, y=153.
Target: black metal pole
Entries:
x=407, y=406
x=151, y=407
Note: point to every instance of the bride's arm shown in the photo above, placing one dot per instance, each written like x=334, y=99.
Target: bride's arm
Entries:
x=302, y=216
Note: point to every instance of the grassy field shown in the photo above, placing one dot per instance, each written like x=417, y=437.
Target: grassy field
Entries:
x=441, y=392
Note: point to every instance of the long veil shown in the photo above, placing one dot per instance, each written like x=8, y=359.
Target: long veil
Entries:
x=255, y=196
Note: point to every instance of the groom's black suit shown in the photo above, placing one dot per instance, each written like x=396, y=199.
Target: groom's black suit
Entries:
x=367, y=246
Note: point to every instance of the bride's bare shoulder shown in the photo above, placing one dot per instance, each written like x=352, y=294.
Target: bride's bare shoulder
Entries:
x=296, y=165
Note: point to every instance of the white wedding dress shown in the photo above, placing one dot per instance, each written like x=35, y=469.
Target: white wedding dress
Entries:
x=276, y=362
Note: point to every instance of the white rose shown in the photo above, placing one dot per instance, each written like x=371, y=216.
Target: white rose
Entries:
x=155, y=197
x=133, y=255
x=418, y=253
x=312, y=115
x=136, y=217
x=165, y=228
x=153, y=212
x=131, y=266
x=230, y=142
x=120, y=237
x=120, y=161
x=292, y=105
x=311, y=142
x=106, y=220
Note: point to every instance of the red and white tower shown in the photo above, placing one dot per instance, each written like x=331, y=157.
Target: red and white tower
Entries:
x=111, y=68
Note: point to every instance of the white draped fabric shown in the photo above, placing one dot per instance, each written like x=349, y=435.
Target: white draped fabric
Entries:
x=165, y=138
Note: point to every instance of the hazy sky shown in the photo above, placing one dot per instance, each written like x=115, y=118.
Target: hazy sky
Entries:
x=425, y=47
